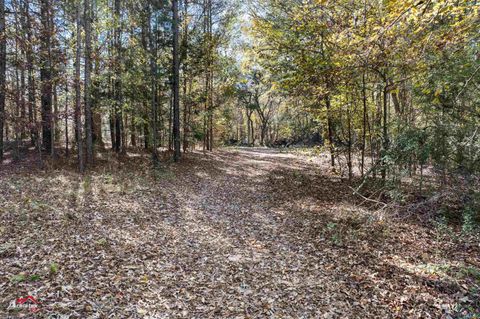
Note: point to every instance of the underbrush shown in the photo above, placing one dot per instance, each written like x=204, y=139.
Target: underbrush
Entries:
x=456, y=206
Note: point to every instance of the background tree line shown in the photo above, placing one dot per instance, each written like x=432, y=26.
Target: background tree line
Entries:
x=392, y=85
x=390, y=89
x=83, y=75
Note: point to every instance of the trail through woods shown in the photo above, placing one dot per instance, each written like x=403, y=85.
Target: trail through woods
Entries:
x=238, y=233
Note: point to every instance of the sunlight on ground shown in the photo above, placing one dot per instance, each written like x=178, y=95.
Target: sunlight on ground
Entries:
x=248, y=234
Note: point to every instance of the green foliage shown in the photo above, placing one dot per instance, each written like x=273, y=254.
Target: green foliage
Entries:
x=53, y=268
x=23, y=277
x=411, y=144
x=18, y=278
x=320, y=58
x=102, y=242
x=34, y=277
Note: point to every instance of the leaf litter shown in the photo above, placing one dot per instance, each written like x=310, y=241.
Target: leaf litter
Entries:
x=238, y=233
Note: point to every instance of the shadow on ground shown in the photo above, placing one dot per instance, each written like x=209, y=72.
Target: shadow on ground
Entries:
x=237, y=233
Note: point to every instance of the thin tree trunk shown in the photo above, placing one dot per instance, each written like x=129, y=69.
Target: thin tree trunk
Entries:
x=330, y=131
x=78, y=121
x=55, y=115
x=20, y=51
x=170, y=123
x=3, y=67
x=154, y=96
x=87, y=81
x=97, y=137
x=186, y=124
x=248, y=128
x=364, y=123
x=133, y=136
x=118, y=83
x=46, y=75
x=31, y=105
x=53, y=81
x=66, y=120
x=23, y=102
x=350, y=142
x=210, y=76
x=176, y=84
x=146, y=132
x=16, y=122
x=112, y=129
x=385, y=131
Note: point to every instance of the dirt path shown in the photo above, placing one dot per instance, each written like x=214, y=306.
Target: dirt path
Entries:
x=240, y=233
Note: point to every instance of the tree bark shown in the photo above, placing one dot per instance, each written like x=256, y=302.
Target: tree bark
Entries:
x=31, y=104
x=330, y=130
x=176, y=82
x=364, y=123
x=87, y=81
x=118, y=83
x=3, y=67
x=46, y=75
x=385, y=131
x=186, y=124
x=78, y=121
x=97, y=138
x=152, y=49
x=66, y=120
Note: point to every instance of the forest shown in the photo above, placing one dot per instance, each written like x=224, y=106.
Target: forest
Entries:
x=240, y=159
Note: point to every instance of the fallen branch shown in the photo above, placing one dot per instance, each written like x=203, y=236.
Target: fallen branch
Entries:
x=369, y=199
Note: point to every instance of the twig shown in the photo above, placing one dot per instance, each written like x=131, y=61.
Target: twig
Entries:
x=368, y=199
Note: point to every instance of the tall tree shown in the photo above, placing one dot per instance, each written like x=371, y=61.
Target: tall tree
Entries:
x=176, y=83
x=78, y=96
x=184, y=55
x=31, y=83
x=87, y=80
x=119, y=145
x=46, y=73
x=151, y=48
x=3, y=66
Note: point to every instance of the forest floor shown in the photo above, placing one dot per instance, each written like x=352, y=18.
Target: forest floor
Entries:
x=237, y=233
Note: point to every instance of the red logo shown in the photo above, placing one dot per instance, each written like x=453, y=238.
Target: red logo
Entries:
x=29, y=303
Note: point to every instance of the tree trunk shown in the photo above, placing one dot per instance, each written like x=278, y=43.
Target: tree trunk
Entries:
x=146, y=132
x=184, y=60
x=46, y=75
x=56, y=129
x=364, y=123
x=154, y=97
x=87, y=81
x=350, y=142
x=330, y=130
x=97, y=137
x=78, y=120
x=385, y=131
x=3, y=67
x=16, y=122
x=118, y=83
x=248, y=128
x=176, y=84
x=23, y=87
x=112, y=129
x=66, y=120
x=31, y=105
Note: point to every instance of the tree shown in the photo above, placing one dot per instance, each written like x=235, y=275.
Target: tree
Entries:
x=31, y=82
x=176, y=83
x=46, y=74
x=3, y=66
x=87, y=81
x=117, y=87
x=78, y=109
